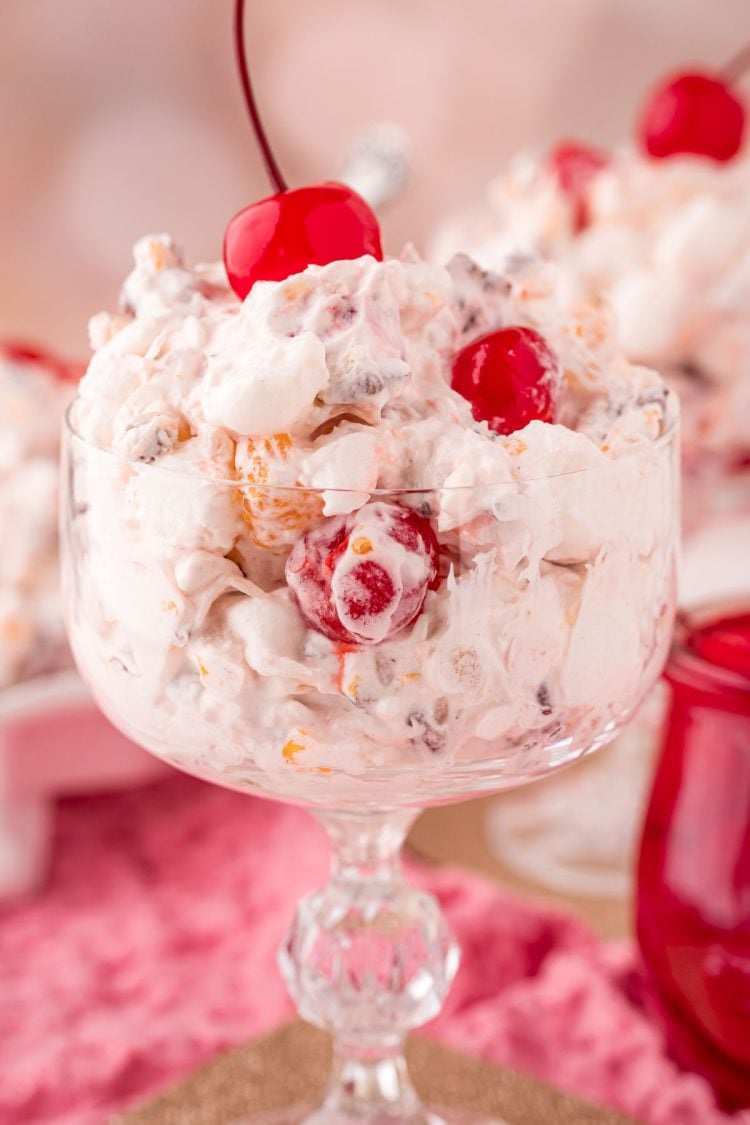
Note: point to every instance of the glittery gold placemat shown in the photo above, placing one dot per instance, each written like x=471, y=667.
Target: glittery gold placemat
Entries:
x=291, y=1065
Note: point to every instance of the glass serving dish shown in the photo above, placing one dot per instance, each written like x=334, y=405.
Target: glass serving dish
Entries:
x=496, y=671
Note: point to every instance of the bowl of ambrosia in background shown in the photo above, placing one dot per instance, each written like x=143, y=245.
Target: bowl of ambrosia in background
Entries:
x=53, y=739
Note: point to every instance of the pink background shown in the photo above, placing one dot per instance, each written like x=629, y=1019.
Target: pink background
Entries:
x=121, y=118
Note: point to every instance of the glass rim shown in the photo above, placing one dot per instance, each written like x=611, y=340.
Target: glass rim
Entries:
x=665, y=439
x=685, y=662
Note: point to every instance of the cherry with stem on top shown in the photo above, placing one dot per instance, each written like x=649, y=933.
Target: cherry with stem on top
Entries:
x=696, y=113
x=313, y=225
x=691, y=113
x=506, y=377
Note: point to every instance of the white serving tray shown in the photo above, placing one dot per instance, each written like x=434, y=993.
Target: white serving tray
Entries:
x=54, y=741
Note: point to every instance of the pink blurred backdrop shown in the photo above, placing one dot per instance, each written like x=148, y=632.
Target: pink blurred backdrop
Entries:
x=119, y=119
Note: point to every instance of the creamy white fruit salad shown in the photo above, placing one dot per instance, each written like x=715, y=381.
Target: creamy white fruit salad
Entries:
x=666, y=245
x=297, y=559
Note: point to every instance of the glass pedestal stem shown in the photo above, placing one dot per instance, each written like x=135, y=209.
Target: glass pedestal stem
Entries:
x=368, y=958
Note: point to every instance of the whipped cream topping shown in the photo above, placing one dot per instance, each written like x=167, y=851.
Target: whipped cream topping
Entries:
x=216, y=434
x=667, y=244
x=32, y=636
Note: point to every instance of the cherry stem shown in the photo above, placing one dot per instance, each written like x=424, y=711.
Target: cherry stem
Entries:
x=274, y=172
x=737, y=65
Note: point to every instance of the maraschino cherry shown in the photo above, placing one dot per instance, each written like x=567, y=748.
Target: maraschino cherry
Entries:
x=282, y=235
x=507, y=376
x=574, y=165
x=695, y=113
x=362, y=578
x=21, y=352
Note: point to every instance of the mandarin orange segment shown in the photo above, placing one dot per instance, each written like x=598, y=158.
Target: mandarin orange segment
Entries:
x=275, y=519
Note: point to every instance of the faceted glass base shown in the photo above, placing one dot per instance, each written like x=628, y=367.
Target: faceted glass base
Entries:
x=368, y=958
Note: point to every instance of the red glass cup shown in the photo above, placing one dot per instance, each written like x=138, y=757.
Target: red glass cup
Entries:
x=693, y=910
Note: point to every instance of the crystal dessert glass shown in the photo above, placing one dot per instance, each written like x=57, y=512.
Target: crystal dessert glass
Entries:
x=505, y=673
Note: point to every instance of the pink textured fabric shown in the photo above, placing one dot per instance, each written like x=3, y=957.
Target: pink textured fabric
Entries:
x=153, y=948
